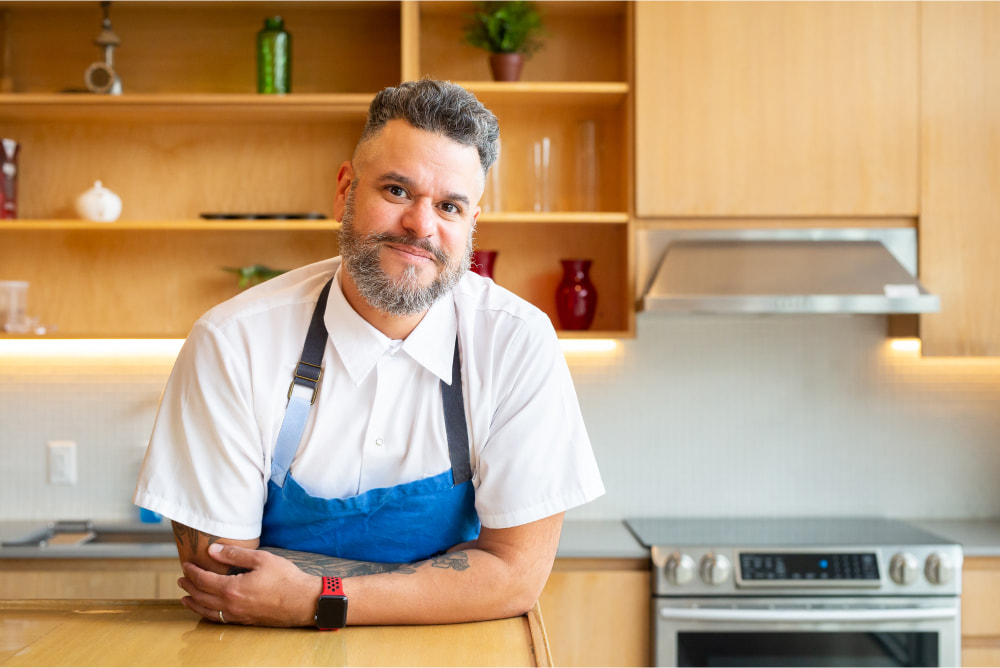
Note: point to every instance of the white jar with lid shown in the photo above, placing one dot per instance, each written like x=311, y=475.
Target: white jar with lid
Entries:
x=99, y=205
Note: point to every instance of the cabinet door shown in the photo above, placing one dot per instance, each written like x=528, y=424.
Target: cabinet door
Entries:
x=960, y=188
x=777, y=109
x=980, y=614
x=597, y=614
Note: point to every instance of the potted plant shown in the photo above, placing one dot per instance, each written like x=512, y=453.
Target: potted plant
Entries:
x=508, y=30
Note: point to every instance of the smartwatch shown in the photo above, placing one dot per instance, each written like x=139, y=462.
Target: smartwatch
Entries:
x=331, y=610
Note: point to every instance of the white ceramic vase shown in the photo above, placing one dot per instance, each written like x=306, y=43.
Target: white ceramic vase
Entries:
x=99, y=205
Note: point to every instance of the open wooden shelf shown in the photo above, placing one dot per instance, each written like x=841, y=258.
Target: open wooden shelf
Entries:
x=189, y=136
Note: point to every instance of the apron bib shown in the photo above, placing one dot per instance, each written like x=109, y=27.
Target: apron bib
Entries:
x=399, y=524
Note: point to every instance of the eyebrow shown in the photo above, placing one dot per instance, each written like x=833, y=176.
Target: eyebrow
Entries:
x=396, y=177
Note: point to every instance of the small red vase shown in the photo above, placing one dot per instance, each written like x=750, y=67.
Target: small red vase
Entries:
x=576, y=296
x=483, y=261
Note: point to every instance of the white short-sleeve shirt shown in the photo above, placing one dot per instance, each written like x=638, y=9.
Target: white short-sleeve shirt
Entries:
x=378, y=419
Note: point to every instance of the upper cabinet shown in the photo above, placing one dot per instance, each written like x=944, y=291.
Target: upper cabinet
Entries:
x=190, y=136
x=960, y=184
x=776, y=109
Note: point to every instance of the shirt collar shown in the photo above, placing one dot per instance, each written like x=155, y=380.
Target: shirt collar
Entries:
x=361, y=346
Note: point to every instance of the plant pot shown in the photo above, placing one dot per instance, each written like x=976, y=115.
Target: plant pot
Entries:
x=506, y=66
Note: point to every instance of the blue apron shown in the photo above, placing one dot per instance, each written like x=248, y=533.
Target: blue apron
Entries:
x=400, y=524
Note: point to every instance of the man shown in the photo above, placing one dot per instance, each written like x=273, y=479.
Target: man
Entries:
x=431, y=439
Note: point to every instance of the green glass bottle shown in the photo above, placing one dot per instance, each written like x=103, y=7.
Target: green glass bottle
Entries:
x=274, y=57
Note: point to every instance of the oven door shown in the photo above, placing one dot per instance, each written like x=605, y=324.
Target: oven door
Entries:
x=806, y=631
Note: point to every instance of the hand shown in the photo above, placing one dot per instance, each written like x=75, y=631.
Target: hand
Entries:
x=274, y=592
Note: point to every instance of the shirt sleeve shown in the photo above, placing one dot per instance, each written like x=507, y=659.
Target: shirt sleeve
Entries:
x=537, y=460
x=204, y=467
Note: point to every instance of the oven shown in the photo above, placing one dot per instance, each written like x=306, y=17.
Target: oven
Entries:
x=801, y=592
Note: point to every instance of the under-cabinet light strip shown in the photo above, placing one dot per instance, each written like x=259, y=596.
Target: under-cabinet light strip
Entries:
x=46, y=347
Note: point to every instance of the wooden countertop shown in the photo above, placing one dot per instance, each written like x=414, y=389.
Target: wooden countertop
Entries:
x=164, y=633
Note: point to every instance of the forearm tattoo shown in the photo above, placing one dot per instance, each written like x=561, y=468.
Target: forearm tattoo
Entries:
x=191, y=538
x=320, y=564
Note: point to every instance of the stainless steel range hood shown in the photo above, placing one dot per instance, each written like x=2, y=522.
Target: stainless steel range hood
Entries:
x=828, y=270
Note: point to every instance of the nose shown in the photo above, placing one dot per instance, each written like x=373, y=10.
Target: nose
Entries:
x=420, y=219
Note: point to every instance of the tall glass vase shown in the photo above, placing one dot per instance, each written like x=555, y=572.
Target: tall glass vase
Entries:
x=576, y=296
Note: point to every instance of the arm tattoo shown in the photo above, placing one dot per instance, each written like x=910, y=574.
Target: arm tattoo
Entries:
x=190, y=538
x=320, y=564
x=458, y=561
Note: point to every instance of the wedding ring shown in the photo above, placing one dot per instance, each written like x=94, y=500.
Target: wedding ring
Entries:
x=221, y=618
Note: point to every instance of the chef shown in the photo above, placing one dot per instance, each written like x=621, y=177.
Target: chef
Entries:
x=383, y=437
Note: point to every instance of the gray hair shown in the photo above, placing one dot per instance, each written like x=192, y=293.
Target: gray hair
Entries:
x=441, y=107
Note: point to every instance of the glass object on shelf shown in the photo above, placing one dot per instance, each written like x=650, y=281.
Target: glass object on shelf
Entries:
x=274, y=57
x=8, y=178
x=483, y=262
x=541, y=152
x=491, y=197
x=14, y=306
x=576, y=296
x=586, y=166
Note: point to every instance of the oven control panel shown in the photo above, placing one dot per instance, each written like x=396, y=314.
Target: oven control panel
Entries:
x=864, y=571
x=762, y=569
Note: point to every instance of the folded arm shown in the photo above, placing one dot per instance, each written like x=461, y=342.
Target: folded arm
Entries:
x=498, y=575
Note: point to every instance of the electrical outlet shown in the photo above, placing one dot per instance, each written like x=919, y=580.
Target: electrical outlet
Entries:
x=62, y=462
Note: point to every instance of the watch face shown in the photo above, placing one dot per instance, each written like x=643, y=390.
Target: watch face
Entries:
x=331, y=612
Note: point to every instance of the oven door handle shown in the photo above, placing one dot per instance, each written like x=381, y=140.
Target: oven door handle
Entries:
x=806, y=616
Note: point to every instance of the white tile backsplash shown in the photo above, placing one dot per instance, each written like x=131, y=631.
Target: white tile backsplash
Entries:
x=699, y=415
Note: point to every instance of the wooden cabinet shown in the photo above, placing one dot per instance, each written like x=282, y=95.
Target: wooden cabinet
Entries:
x=189, y=136
x=596, y=612
x=960, y=178
x=89, y=579
x=776, y=109
x=980, y=613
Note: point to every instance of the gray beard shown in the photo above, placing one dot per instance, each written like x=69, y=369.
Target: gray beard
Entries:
x=398, y=297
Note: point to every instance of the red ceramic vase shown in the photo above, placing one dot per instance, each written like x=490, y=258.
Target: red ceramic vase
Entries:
x=576, y=296
x=483, y=261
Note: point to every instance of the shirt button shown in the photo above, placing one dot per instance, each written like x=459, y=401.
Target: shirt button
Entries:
x=378, y=441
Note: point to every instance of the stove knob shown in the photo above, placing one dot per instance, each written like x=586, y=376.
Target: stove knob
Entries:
x=938, y=569
x=679, y=568
x=903, y=568
x=715, y=568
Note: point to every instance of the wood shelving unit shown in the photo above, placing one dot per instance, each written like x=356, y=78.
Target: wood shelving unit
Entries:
x=182, y=141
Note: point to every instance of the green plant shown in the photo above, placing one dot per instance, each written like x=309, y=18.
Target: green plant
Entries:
x=253, y=274
x=505, y=26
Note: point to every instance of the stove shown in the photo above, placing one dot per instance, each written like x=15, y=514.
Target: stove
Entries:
x=812, y=591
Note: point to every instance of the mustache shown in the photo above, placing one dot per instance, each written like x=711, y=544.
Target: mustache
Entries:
x=423, y=244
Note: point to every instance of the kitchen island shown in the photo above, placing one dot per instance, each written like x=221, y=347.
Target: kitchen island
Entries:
x=164, y=633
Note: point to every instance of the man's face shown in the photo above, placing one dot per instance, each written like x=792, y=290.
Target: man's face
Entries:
x=407, y=204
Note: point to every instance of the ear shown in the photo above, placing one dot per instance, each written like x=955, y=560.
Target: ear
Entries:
x=345, y=175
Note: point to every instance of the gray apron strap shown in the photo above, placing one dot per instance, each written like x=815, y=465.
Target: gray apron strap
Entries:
x=302, y=392
x=305, y=386
x=454, y=423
